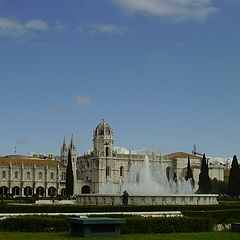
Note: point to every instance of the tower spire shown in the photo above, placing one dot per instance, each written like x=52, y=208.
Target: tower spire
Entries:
x=64, y=141
x=72, y=142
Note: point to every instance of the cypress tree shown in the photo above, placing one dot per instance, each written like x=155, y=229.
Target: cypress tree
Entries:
x=234, y=179
x=69, y=176
x=189, y=174
x=204, y=179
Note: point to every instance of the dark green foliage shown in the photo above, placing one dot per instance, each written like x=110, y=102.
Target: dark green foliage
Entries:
x=69, y=176
x=218, y=187
x=234, y=179
x=34, y=224
x=166, y=225
x=189, y=174
x=133, y=225
x=204, y=179
x=218, y=216
x=79, y=209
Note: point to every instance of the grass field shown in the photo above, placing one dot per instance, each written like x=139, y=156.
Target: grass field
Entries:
x=172, y=236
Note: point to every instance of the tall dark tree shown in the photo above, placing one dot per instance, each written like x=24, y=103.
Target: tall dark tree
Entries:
x=69, y=176
x=189, y=174
x=234, y=179
x=204, y=179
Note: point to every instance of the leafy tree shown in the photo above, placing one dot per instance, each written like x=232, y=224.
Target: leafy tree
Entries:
x=69, y=176
x=204, y=179
x=189, y=174
x=234, y=179
x=218, y=187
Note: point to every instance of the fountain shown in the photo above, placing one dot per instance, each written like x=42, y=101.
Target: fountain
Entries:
x=148, y=179
x=147, y=184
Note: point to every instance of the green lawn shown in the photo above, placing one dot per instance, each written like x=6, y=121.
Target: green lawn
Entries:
x=171, y=236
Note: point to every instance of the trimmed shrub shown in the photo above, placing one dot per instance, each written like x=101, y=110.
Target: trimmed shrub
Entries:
x=133, y=224
x=167, y=225
x=34, y=224
x=219, y=216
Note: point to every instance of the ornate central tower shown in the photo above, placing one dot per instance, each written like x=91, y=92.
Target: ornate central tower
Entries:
x=103, y=140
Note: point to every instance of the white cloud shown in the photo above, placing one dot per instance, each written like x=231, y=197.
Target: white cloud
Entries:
x=222, y=160
x=83, y=101
x=11, y=27
x=14, y=28
x=123, y=150
x=177, y=10
x=93, y=28
x=37, y=25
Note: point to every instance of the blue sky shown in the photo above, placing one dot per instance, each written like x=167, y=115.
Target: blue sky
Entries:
x=164, y=73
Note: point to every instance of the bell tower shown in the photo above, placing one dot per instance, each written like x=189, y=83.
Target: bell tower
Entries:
x=103, y=140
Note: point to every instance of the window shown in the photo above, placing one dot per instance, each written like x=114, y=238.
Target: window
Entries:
x=52, y=175
x=63, y=176
x=3, y=174
x=107, y=171
x=28, y=175
x=121, y=171
x=107, y=151
x=16, y=174
x=40, y=175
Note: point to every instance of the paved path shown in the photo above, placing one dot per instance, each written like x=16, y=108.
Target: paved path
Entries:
x=143, y=214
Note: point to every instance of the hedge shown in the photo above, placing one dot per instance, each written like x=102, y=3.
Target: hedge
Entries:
x=133, y=224
x=219, y=216
x=167, y=225
x=5, y=208
x=34, y=224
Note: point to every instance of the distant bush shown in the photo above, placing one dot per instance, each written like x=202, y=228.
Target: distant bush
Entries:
x=133, y=224
x=34, y=224
x=219, y=216
x=167, y=225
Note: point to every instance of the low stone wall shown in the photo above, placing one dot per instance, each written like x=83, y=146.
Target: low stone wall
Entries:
x=48, y=202
x=174, y=199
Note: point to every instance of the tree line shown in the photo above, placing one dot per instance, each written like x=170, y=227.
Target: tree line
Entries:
x=206, y=185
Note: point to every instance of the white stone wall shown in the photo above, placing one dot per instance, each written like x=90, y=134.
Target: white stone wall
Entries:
x=195, y=199
x=32, y=176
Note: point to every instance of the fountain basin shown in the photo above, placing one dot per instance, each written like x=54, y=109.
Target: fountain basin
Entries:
x=171, y=199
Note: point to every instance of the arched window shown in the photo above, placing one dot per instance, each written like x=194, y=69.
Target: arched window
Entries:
x=3, y=190
x=40, y=175
x=28, y=175
x=107, y=151
x=27, y=191
x=63, y=176
x=3, y=174
x=107, y=171
x=16, y=174
x=52, y=191
x=85, y=189
x=16, y=191
x=63, y=192
x=121, y=171
x=52, y=175
x=40, y=191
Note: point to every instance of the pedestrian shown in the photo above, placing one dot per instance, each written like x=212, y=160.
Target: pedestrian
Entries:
x=125, y=198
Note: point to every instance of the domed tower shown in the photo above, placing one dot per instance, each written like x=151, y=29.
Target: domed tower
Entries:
x=103, y=140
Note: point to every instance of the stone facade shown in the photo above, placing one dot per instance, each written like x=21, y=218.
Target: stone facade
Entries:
x=104, y=163
x=25, y=176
